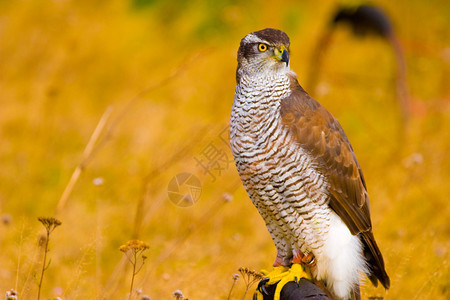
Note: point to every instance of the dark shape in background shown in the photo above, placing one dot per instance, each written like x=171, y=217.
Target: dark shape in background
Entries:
x=365, y=21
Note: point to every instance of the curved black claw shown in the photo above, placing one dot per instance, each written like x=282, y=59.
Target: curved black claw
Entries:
x=262, y=286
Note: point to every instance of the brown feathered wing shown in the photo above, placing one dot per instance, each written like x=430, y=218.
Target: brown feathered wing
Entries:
x=321, y=135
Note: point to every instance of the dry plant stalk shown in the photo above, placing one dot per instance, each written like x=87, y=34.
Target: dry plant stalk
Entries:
x=95, y=143
x=235, y=278
x=134, y=252
x=19, y=256
x=50, y=224
x=87, y=155
x=250, y=277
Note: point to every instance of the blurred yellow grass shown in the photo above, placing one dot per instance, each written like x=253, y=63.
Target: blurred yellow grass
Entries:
x=62, y=63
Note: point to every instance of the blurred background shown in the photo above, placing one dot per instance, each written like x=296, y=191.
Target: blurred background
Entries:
x=136, y=92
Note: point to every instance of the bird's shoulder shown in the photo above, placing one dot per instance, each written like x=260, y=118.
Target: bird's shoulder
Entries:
x=319, y=133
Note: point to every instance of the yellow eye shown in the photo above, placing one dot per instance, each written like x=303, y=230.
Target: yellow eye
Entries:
x=262, y=47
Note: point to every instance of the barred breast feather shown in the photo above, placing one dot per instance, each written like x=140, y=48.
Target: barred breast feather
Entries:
x=282, y=180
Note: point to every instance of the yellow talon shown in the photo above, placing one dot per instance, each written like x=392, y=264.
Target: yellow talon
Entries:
x=275, y=272
x=283, y=275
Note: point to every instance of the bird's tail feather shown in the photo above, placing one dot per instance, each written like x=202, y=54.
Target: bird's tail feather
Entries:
x=374, y=260
x=356, y=293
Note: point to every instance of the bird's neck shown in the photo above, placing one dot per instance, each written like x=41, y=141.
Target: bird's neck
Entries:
x=263, y=89
x=256, y=105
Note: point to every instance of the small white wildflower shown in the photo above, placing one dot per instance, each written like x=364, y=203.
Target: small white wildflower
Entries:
x=11, y=295
x=58, y=290
x=413, y=160
x=98, y=181
x=166, y=276
x=227, y=197
x=178, y=294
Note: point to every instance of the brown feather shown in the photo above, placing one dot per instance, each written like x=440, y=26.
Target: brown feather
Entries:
x=374, y=260
x=356, y=293
x=321, y=135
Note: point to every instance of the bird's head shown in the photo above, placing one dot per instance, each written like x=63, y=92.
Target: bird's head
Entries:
x=264, y=52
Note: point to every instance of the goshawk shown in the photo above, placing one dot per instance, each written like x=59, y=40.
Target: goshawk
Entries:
x=300, y=171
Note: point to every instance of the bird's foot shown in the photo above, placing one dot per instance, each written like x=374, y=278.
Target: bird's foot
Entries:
x=306, y=259
x=282, y=275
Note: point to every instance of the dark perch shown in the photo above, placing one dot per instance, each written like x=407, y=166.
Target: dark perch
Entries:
x=365, y=21
x=305, y=289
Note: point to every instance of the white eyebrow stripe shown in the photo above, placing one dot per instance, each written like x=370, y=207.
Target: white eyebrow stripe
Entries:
x=251, y=38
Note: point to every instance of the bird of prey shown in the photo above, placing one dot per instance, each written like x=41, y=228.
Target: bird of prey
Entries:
x=300, y=172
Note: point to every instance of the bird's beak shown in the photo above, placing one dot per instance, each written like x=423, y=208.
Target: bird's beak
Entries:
x=282, y=54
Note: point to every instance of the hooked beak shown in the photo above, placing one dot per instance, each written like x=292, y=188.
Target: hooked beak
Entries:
x=282, y=55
